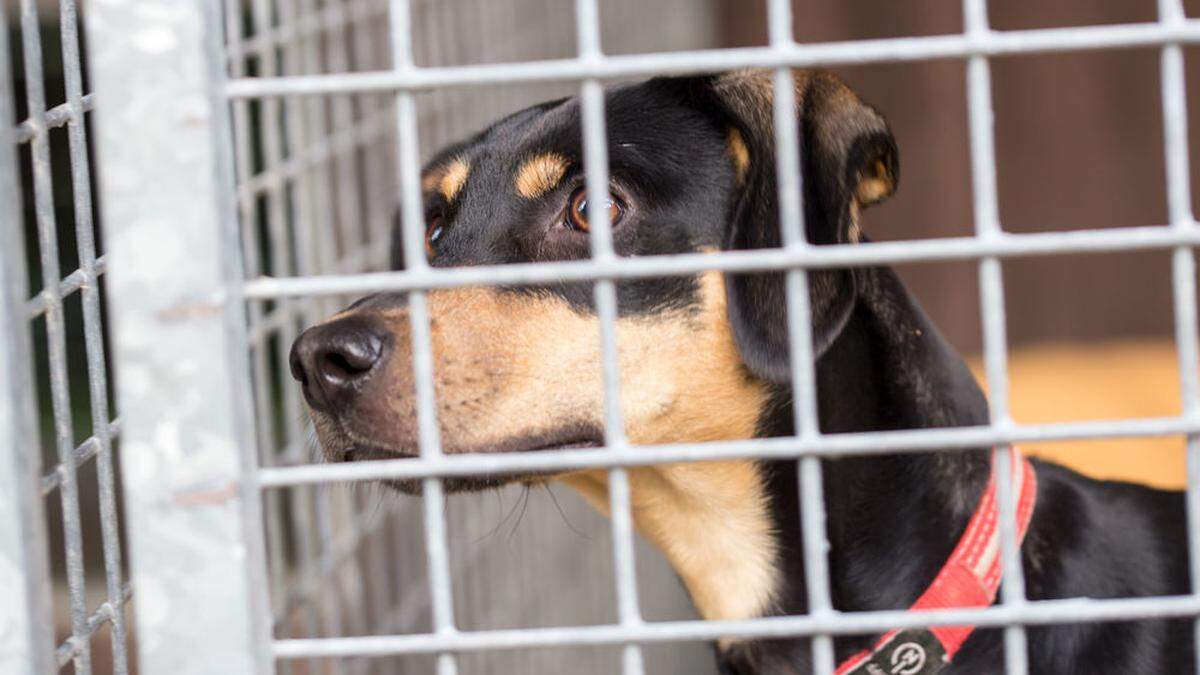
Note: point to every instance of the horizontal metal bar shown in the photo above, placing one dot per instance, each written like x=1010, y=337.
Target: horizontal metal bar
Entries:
x=710, y=60
x=370, y=256
x=86, y=450
x=55, y=117
x=74, y=281
x=335, y=16
x=334, y=145
x=339, y=552
x=105, y=613
x=832, y=445
x=758, y=260
x=1044, y=612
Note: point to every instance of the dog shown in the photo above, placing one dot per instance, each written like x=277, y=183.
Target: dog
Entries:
x=706, y=358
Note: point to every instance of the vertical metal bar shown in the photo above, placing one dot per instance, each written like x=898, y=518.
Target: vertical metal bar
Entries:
x=804, y=386
x=304, y=224
x=93, y=329
x=345, y=167
x=413, y=232
x=56, y=343
x=595, y=145
x=270, y=131
x=366, y=56
x=351, y=225
x=364, y=52
x=319, y=241
x=192, y=503
x=250, y=266
x=26, y=624
x=995, y=345
x=323, y=221
x=1183, y=274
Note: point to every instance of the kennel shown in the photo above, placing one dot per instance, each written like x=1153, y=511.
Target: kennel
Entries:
x=249, y=155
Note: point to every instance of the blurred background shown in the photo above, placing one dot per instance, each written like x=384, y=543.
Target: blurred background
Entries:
x=1079, y=145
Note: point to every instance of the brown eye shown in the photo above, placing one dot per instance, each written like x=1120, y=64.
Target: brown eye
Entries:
x=577, y=209
x=434, y=229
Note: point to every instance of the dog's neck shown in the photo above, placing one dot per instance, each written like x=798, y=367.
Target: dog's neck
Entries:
x=731, y=530
x=892, y=520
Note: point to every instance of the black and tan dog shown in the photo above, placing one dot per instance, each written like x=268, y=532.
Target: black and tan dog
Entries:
x=705, y=358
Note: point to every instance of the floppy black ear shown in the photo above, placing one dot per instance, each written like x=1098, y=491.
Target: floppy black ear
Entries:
x=848, y=161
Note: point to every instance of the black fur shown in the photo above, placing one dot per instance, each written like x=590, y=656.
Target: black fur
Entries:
x=893, y=519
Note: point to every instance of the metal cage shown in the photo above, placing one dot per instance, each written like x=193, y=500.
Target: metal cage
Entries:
x=250, y=154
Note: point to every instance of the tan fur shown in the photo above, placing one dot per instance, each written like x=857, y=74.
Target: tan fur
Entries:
x=875, y=185
x=430, y=180
x=511, y=366
x=738, y=153
x=841, y=114
x=540, y=174
x=711, y=520
x=454, y=178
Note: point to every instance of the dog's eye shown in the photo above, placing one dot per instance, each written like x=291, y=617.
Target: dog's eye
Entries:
x=577, y=209
x=434, y=229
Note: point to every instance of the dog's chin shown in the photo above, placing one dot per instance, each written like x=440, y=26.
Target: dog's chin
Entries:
x=456, y=484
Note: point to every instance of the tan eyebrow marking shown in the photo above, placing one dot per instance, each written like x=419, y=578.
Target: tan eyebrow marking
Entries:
x=538, y=175
x=738, y=152
x=454, y=178
x=430, y=180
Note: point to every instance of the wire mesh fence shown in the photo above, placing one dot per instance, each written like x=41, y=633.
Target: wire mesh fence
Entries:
x=56, y=342
x=277, y=138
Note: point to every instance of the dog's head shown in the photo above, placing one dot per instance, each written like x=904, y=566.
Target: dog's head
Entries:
x=518, y=369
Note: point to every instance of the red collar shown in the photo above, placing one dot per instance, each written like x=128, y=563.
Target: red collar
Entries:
x=970, y=578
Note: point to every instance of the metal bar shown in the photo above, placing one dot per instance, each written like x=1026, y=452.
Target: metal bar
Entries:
x=370, y=255
x=790, y=181
x=1043, y=612
x=303, y=196
x=93, y=328
x=26, y=625
x=995, y=341
x=56, y=343
x=87, y=273
x=759, y=260
x=852, y=52
x=251, y=262
x=55, y=117
x=194, y=520
x=307, y=579
x=270, y=132
x=345, y=167
x=595, y=147
x=351, y=227
x=413, y=232
x=107, y=612
x=828, y=446
x=84, y=452
x=305, y=26
x=1183, y=275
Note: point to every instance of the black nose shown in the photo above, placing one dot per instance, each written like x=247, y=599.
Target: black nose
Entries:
x=333, y=361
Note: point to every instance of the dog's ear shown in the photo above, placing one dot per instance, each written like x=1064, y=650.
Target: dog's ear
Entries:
x=848, y=161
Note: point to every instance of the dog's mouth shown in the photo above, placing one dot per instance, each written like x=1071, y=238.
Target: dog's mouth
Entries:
x=342, y=448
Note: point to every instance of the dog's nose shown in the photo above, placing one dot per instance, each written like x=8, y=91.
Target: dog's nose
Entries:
x=333, y=361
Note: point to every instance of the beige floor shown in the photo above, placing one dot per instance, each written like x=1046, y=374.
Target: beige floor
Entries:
x=1114, y=380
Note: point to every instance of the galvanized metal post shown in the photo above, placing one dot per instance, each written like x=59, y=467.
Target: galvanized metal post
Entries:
x=179, y=338
x=26, y=628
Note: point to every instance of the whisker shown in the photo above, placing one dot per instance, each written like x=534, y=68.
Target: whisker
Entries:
x=563, y=514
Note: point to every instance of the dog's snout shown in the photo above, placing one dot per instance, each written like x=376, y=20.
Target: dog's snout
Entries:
x=333, y=361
